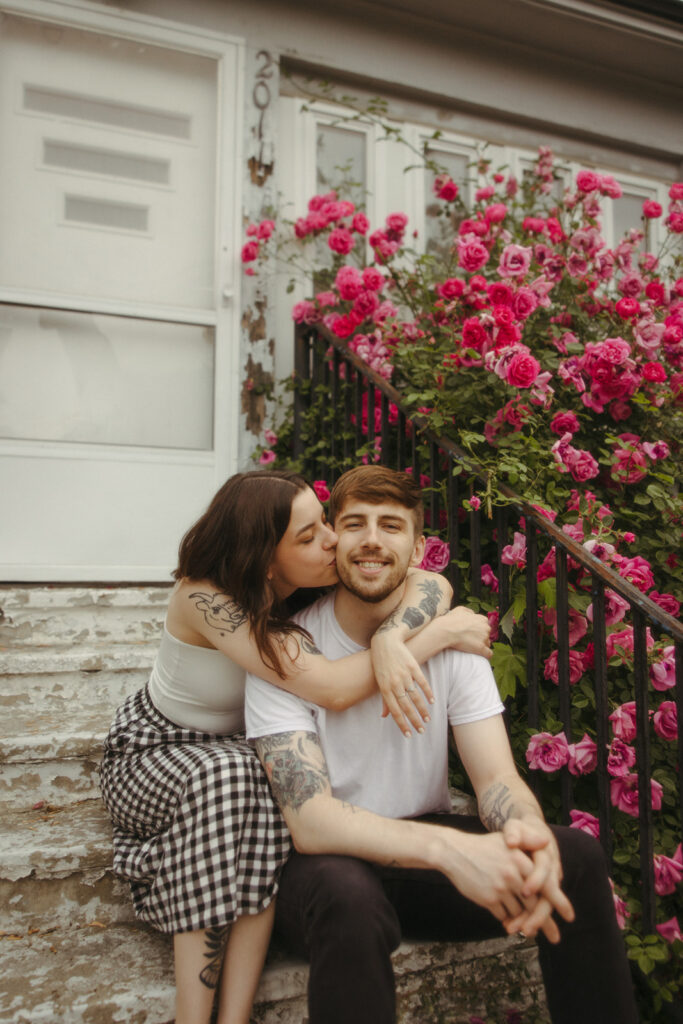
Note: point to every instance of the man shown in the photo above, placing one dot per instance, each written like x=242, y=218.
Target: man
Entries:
x=347, y=781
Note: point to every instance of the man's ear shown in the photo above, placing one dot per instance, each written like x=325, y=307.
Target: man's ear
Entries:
x=419, y=551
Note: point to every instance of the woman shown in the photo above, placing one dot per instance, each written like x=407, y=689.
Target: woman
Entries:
x=196, y=832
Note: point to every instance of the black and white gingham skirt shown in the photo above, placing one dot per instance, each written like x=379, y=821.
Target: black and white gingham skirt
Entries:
x=196, y=831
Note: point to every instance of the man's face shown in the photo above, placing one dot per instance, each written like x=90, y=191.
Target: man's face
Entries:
x=376, y=546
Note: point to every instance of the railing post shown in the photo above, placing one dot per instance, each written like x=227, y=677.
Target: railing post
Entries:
x=601, y=714
x=643, y=764
x=302, y=370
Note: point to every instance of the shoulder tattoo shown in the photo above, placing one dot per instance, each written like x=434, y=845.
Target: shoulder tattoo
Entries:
x=308, y=646
x=295, y=767
x=219, y=611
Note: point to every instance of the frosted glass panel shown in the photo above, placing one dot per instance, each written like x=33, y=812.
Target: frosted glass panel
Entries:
x=106, y=214
x=105, y=161
x=105, y=380
x=340, y=162
x=440, y=229
x=627, y=213
x=105, y=112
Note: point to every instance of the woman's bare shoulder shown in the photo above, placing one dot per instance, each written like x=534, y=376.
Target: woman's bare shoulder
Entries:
x=195, y=605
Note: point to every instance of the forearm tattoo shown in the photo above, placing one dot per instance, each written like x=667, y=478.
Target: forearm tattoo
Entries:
x=495, y=806
x=498, y=804
x=216, y=941
x=220, y=611
x=295, y=767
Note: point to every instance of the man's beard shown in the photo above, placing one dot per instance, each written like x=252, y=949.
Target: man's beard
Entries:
x=366, y=589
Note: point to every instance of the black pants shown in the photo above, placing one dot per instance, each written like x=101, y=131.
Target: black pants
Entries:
x=346, y=916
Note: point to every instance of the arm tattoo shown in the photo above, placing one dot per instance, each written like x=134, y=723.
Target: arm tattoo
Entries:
x=295, y=767
x=496, y=806
x=216, y=941
x=388, y=623
x=432, y=595
x=220, y=611
x=308, y=646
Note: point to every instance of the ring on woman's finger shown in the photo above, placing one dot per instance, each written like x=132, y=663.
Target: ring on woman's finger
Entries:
x=402, y=696
x=409, y=689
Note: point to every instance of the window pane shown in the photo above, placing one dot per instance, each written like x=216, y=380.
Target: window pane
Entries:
x=105, y=380
x=628, y=213
x=340, y=162
x=441, y=229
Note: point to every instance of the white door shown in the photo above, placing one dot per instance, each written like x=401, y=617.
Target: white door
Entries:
x=118, y=383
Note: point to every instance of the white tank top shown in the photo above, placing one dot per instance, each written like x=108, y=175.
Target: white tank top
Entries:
x=197, y=687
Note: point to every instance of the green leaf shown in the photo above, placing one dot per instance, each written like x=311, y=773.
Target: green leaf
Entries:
x=509, y=668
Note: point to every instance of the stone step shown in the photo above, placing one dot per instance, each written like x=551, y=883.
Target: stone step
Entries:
x=44, y=692
x=63, y=616
x=55, y=660
x=101, y=975
x=52, y=755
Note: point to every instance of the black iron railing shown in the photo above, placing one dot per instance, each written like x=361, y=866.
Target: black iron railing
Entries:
x=365, y=415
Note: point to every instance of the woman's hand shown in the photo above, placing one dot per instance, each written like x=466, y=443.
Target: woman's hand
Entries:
x=466, y=631
x=405, y=691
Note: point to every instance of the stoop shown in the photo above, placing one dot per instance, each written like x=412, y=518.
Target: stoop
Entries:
x=70, y=949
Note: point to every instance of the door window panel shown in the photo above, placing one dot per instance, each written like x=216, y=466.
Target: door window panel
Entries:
x=109, y=184
x=84, y=377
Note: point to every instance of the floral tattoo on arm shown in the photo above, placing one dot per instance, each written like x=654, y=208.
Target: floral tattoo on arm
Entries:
x=498, y=805
x=295, y=766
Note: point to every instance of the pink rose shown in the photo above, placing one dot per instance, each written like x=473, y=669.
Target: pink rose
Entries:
x=265, y=229
x=321, y=489
x=348, y=282
x=472, y=254
x=668, y=872
x=652, y=209
x=445, y=188
x=620, y=907
x=615, y=608
x=341, y=240
x=547, y=752
x=489, y=578
x=576, y=667
x=670, y=930
x=250, y=251
x=515, y=553
x=624, y=721
x=451, y=288
x=624, y=794
x=266, y=457
x=270, y=437
x=564, y=423
x=373, y=279
x=663, y=672
x=666, y=601
x=586, y=822
x=637, y=570
x=496, y=212
x=583, y=756
x=587, y=181
x=522, y=370
x=360, y=223
x=629, y=467
x=620, y=759
x=437, y=555
x=515, y=260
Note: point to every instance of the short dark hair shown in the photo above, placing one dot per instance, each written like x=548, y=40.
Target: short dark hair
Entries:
x=377, y=484
x=233, y=544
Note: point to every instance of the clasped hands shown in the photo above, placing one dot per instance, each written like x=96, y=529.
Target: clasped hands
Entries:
x=541, y=892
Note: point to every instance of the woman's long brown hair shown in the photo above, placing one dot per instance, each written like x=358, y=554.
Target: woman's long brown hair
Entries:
x=233, y=545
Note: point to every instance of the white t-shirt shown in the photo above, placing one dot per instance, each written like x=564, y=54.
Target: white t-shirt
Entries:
x=370, y=763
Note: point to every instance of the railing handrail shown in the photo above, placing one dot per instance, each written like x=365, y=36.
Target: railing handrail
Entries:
x=666, y=622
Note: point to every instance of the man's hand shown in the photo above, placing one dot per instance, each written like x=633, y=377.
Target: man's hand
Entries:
x=490, y=873
x=541, y=891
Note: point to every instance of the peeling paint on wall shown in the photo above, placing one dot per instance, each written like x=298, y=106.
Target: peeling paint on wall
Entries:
x=256, y=387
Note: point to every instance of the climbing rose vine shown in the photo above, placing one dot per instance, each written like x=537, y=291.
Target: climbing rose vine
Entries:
x=556, y=362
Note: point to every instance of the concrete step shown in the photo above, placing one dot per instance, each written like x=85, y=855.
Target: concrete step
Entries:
x=101, y=975
x=55, y=660
x=63, y=616
x=52, y=756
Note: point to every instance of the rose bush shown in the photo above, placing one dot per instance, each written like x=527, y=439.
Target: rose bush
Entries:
x=556, y=362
